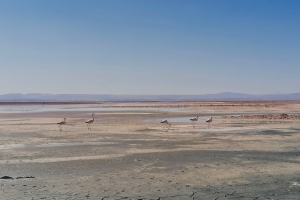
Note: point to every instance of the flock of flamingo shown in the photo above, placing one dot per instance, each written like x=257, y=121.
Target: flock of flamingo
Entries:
x=167, y=124
x=88, y=123
x=164, y=122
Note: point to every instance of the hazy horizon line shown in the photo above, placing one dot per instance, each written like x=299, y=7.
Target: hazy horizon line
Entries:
x=244, y=93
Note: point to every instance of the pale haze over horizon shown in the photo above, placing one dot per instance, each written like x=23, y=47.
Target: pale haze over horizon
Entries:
x=149, y=47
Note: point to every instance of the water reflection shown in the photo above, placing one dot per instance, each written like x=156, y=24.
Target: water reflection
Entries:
x=182, y=119
x=78, y=107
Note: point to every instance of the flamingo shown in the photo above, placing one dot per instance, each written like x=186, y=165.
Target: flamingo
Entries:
x=89, y=122
x=165, y=123
x=194, y=120
x=209, y=121
x=61, y=123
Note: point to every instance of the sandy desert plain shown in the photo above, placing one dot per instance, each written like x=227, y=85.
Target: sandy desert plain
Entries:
x=251, y=151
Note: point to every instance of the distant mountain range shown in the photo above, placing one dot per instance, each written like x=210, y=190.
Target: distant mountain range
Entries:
x=226, y=96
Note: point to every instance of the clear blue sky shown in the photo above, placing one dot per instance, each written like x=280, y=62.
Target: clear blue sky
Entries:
x=149, y=46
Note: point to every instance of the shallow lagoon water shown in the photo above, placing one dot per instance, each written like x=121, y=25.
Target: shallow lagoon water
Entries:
x=183, y=119
x=78, y=107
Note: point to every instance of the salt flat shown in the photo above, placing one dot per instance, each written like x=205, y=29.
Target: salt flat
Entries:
x=128, y=155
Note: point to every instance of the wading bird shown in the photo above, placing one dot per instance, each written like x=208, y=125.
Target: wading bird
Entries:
x=165, y=123
x=194, y=120
x=61, y=123
x=209, y=121
x=88, y=122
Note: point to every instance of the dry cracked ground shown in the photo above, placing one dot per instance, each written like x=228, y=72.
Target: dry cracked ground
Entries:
x=128, y=154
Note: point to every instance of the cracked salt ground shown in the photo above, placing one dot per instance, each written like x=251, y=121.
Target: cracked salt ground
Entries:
x=125, y=158
x=46, y=191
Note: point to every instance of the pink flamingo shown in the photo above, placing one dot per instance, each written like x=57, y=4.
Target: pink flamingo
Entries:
x=89, y=122
x=165, y=123
x=61, y=123
x=209, y=121
x=194, y=120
